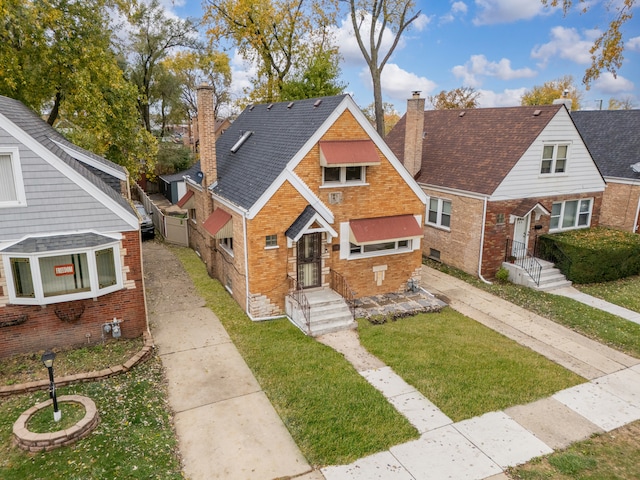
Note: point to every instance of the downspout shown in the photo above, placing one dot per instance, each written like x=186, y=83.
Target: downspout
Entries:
x=636, y=227
x=246, y=261
x=484, y=220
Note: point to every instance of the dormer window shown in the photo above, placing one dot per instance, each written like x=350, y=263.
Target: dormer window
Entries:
x=11, y=185
x=554, y=159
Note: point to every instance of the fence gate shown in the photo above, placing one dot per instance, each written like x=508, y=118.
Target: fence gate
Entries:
x=176, y=230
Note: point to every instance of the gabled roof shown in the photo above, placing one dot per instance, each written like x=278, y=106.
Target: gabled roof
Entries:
x=473, y=150
x=613, y=138
x=49, y=138
x=280, y=130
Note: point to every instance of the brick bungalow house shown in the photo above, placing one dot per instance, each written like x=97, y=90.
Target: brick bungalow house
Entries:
x=495, y=179
x=613, y=138
x=69, y=240
x=299, y=200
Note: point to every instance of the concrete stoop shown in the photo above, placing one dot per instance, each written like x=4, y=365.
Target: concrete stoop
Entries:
x=329, y=313
x=550, y=277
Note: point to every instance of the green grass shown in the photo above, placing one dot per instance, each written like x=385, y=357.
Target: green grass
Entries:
x=614, y=455
x=601, y=326
x=624, y=292
x=333, y=414
x=134, y=439
x=463, y=367
x=42, y=421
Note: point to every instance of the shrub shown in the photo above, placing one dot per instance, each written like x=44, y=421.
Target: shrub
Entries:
x=593, y=255
x=502, y=275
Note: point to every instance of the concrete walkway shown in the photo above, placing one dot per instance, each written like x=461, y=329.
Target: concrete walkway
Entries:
x=598, y=303
x=226, y=426
x=483, y=447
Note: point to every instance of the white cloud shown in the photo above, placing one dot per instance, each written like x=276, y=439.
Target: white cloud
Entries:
x=492, y=12
x=457, y=9
x=397, y=84
x=507, y=98
x=421, y=22
x=242, y=72
x=607, y=83
x=478, y=65
x=565, y=43
x=633, y=44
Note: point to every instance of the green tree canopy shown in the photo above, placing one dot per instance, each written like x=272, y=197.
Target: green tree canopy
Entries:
x=462, y=97
x=563, y=87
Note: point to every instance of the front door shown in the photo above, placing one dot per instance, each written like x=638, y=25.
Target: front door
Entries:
x=309, y=260
x=520, y=237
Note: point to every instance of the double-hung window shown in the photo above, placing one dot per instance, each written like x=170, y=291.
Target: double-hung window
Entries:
x=11, y=185
x=571, y=214
x=48, y=270
x=439, y=213
x=554, y=159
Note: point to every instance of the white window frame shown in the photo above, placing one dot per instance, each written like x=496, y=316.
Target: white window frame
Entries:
x=36, y=276
x=554, y=159
x=398, y=248
x=439, y=213
x=343, y=182
x=18, y=182
x=576, y=225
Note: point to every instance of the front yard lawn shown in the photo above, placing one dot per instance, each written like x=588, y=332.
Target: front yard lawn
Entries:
x=133, y=440
x=624, y=292
x=598, y=325
x=463, y=367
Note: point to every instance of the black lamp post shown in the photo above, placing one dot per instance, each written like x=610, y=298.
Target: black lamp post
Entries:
x=47, y=359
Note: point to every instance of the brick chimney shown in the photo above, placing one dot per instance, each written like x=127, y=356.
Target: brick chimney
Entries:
x=207, y=134
x=413, y=133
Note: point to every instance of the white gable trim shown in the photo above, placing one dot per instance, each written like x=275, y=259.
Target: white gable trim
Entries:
x=624, y=181
x=325, y=228
x=84, y=158
x=84, y=183
x=348, y=104
x=301, y=187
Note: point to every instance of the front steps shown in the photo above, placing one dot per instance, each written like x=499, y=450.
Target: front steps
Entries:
x=550, y=277
x=329, y=312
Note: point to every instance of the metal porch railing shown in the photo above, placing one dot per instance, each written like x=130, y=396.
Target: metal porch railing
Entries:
x=517, y=253
x=297, y=295
x=339, y=284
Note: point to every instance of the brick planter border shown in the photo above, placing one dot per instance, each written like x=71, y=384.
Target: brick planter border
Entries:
x=44, y=442
x=139, y=357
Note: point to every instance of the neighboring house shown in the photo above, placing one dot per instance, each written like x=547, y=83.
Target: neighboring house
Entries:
x=298, y=197
x=70, y=247
x=613, y=138
x=496, y=178
x=173, y=186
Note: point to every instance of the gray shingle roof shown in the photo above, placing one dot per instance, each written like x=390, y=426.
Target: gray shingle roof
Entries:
x=177, y=177
x=613, y=138
x=488, y=140
x=44, y=134
x=279, y=132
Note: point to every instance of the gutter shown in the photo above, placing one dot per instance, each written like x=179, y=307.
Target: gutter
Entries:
x=484, y=221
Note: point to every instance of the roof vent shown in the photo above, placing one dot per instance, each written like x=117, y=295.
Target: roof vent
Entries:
x=461, y=114
x=636, y=167
x=241, y=141
x=290, y=105
x=537, y=113
x=318, y=102
x=270, y=106
x=251, y=107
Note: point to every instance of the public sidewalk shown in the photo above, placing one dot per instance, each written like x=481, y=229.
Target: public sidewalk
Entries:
x=226, y=426
x=483, y=447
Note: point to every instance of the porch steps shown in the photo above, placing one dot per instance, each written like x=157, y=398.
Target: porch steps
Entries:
x=550, y=278
x=329, y=312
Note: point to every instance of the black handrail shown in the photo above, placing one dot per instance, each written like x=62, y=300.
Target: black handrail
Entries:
x=339, y=284
x=518, y=253
x=297, y=294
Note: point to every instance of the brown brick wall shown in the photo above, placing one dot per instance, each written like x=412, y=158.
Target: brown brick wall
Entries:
x=43, y=329
x=620, y=206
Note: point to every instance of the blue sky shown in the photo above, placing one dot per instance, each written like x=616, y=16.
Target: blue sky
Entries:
x=499, y=47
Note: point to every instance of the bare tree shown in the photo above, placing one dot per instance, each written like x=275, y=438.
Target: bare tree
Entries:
x=394, y=15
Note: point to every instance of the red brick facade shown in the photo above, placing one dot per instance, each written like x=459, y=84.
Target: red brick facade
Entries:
x=44, y=328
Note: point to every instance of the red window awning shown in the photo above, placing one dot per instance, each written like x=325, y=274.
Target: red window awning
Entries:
x=348, y=153
x=218, y=224
x=187, y=200
x=377, y=230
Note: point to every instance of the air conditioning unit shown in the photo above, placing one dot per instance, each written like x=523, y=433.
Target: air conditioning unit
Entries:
x=335, y=197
